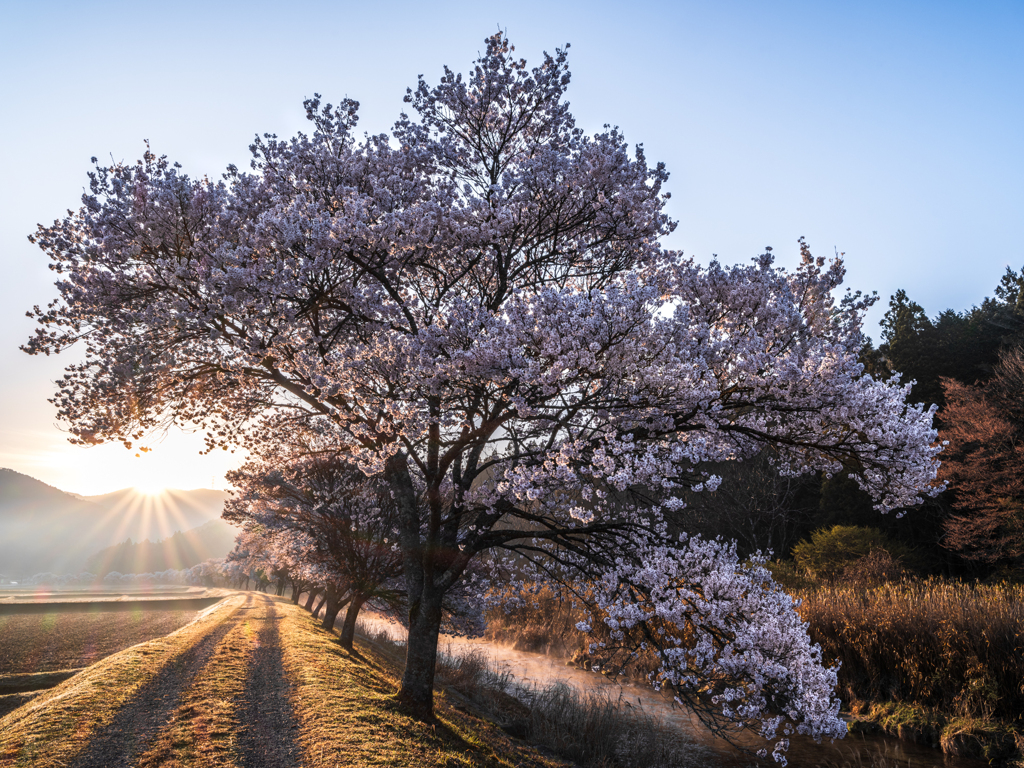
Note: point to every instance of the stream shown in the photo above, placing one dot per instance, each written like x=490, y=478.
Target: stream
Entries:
x=540, y=670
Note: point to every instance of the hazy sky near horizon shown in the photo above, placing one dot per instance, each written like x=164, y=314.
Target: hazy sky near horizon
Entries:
x=891, y=131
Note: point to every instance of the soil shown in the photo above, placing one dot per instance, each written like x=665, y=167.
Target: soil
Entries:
x=50, y=642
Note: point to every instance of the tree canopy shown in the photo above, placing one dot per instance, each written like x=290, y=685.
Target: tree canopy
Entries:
x=479, y=306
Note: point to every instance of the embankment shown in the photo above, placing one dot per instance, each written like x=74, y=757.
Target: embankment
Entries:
x=252, y=682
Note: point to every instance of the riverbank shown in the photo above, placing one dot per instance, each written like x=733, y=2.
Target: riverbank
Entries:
x=975, y=738
x=529, y=671
x=928, y=660
x=931, y=662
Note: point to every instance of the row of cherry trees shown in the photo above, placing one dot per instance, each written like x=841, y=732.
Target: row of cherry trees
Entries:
x=466, y=337
x=312, y=521
x=312, y=518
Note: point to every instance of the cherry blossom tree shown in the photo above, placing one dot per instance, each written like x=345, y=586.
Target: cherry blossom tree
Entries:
x=480, y=305
x=257, y=556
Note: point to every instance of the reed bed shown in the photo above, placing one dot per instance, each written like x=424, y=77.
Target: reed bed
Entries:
x=933, y=661
x=954, y=647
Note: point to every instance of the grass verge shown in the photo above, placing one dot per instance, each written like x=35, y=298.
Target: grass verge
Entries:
x=344, y=704
x=18, y=690
x=56, y=726
x=34, y=681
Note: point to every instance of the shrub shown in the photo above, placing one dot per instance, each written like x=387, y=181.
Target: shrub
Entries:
x=831, y=550
x=876, y=567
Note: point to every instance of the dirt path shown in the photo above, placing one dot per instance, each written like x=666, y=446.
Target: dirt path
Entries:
x=269, y=726
x=149, y=727
x=136, y=725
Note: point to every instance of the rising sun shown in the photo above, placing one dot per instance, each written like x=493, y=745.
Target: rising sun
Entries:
x=150, y=489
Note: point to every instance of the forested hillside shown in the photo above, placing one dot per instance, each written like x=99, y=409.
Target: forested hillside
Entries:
x=182, y=550
x=44, y=529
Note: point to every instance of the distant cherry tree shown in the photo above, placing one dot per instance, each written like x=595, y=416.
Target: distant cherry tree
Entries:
x=324, y=514
x=480, y=305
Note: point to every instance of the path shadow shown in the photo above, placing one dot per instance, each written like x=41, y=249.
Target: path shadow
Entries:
x=269, y=727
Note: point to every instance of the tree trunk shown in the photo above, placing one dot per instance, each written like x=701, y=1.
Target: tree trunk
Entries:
x=319, y=605
x=296, y=591
x=348, y=629
x=311, y=597
x=334, y=606
x=331, y=610
x=416, y=695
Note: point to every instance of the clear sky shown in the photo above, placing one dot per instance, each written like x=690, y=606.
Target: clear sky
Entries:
x=892, y=131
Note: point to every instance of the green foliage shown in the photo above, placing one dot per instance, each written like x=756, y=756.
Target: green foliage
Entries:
x=842, y=502
x=789, y=576
x=830, y=550
x=958, y=345
x=874, y=361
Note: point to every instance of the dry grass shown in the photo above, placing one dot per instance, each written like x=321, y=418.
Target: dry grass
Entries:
x=587, y=727
x=56, y=726
x=545, y=623
x=859, y=758
x=957, y=648
x=16, y=690
x=344, y=704
x=34, y=681
x=204, y=729
x=11, y=701
x=594, y=730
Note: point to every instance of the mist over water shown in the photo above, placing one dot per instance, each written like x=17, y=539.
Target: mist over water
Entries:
x=535, y=670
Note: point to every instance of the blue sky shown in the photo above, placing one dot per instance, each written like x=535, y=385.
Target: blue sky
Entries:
x=891, y=131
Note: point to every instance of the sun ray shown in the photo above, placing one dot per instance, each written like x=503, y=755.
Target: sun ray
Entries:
x=174, y=512
x=123, y=512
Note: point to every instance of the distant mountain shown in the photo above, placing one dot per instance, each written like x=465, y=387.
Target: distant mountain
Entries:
x=182, y=550
x=44, y=529
x=158, y=517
